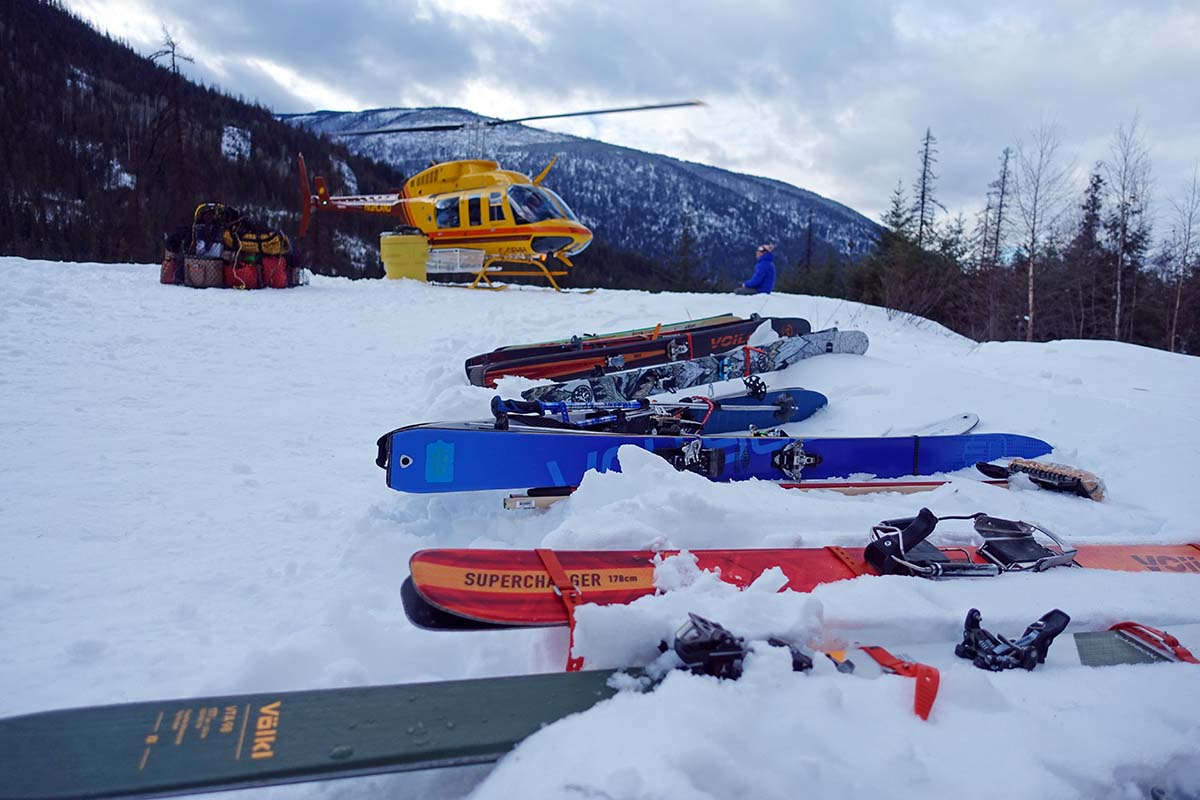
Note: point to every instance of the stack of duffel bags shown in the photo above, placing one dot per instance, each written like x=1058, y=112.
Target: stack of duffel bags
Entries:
x=221, y=248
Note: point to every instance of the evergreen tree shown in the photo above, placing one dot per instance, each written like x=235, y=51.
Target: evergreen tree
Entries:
x=953, y=242
x=1084, y=260
x=684, y=265
x=899, y=217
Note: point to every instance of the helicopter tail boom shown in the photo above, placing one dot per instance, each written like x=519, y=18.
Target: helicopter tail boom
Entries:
x=306, y=198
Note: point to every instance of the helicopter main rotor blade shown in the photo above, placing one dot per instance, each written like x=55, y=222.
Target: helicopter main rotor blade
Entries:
x=450, y=126
x=457, y=126
x=598, y=111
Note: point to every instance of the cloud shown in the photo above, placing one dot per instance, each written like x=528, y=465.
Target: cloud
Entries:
x=833, y=97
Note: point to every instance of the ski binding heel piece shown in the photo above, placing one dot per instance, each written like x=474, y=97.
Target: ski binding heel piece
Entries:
x=1013, y=547
x=708, y=648
x=694, y=457
x=996, y=653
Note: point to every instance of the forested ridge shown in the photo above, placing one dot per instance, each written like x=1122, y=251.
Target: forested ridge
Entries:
x=106, y=150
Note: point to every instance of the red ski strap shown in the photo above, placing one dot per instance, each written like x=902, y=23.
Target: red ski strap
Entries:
x=570, y=595
x=928, y=678
x=708, y=413
x=852, y=563
x=747, y=349
x=1160, y=641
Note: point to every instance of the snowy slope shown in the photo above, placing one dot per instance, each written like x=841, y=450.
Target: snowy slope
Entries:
x=189, y=505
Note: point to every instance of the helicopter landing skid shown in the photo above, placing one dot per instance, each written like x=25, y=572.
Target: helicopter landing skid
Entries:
x=490, y=265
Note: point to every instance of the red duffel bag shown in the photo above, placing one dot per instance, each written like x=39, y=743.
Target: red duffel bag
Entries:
x=242, y=275
x=172, y=269
x=275, y=271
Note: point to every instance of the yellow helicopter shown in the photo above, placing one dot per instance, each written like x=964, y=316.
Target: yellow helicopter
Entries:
x=475, y=217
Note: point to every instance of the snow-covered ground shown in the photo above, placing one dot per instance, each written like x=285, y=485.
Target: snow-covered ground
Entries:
x=189, y=506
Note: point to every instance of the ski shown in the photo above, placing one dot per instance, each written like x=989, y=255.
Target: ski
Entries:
x=676, y=376
x=533, y=499
x=643, y=333
x=472, y=456
x=1045, y=475
x=783, y=326
x=184, y=746
x=524, y=588
x=599, y=357
x=950, y=426
x=746, y=411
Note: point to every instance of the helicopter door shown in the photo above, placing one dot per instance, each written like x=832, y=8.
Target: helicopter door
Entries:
x=474, y=212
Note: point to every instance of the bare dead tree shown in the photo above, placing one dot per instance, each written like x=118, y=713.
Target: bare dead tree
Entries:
x=1186, y=249
x=1001, y=188
x=1042, y=184
x=170, y=50
x=1128, y=179
x=924, y=204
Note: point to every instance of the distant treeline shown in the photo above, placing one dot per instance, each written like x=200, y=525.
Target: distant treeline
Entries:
x=1045, y=258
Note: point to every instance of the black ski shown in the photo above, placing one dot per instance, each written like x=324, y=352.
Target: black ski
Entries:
x=216, y=743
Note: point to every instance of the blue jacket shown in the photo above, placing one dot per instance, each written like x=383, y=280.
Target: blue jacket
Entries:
x=764, y=274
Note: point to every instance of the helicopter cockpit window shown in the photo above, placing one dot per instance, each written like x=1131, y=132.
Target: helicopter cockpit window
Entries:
x=563, y=208
x=447, y=212
x=530, y=205
x=495, y=207
x=474, y=211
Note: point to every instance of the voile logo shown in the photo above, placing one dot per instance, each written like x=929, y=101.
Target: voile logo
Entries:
x=727, y=342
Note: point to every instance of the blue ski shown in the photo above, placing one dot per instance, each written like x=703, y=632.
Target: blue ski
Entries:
x=470, y=456
x=729, y=414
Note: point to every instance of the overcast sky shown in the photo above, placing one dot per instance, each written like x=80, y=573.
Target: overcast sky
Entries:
x=832, y=97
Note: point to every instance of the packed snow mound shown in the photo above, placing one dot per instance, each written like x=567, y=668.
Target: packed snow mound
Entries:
x=191, y=506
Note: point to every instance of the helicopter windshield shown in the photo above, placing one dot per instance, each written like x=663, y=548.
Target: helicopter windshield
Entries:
x=529, y=204
x=563, y=208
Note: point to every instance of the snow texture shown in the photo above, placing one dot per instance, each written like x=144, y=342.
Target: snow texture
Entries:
x=190, y=506
x=235, y=143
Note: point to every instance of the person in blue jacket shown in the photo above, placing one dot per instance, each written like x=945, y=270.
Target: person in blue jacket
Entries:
x=764, y=273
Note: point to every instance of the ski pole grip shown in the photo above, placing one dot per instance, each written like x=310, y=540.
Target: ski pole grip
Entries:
x=501, y=406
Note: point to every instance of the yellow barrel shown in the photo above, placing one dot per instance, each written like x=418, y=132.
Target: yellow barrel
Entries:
x=404, y=254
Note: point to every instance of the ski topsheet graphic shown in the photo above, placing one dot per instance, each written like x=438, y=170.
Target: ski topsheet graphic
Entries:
x=582, y=341
x=677, y=376
x=692, y=415
x=469, y=456
x=170, y=747
x=590, y=358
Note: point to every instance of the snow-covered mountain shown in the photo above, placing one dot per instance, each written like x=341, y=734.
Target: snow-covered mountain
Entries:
x=631, y=199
